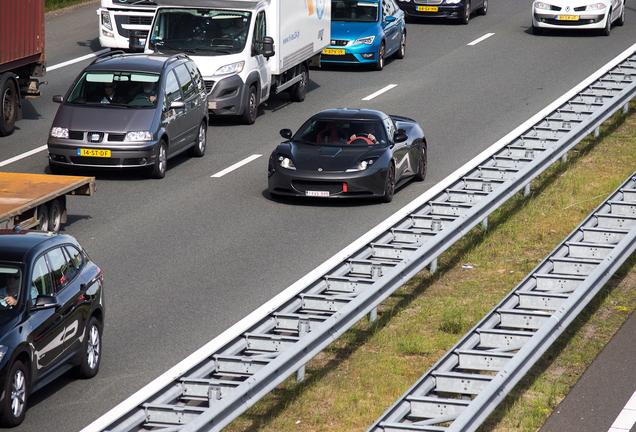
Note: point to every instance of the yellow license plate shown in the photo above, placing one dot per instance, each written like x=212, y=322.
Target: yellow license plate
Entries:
x=567, y=17
x=332, y=51
x=93, y=152
x=427, y=8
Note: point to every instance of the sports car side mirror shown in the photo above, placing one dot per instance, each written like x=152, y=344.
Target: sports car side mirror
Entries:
x=400, y=137
x=286, y=133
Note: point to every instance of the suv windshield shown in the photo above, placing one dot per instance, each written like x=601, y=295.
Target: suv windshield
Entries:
x=354, y=11
x=340, y=133
x=205, y=31
x=117, y=88
x=10, y=282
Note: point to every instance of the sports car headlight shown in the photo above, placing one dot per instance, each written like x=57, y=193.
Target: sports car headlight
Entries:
x=364, y=41
x=596, y=6
x=3, y=351
x=59, y=132
x=542, y=5
x=138, y=136
x=286, y=162
x=233, y=68
x=361, y=166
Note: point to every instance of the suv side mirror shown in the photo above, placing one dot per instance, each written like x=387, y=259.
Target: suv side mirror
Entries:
x=134, y=41
x=46, y=302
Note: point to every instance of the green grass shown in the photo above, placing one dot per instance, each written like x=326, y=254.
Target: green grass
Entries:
x=352, y=382
x=51, y=5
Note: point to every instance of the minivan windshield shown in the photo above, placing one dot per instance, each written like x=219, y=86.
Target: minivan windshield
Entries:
x=134, y=89
x=201, y=31
x=354, y=11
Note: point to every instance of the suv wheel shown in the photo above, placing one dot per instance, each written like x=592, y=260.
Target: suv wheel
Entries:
x=91, y=350
x=15, y=391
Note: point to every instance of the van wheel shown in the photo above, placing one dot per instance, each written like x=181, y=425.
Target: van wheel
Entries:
x=91, y=350
x=299, y=90
x=55, y=216
x=9, y=106
x=251, y=108
x=16, y=392
x=158, y=170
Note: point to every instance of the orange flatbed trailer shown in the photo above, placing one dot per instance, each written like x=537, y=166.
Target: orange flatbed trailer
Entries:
x=38, y=200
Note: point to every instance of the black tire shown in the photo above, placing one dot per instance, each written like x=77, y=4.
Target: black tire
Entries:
x=55, y=216
x=91, y=350
x=379, y=62
x=299, y=90
x=43, y=217
x=465, y=19
x=401, y=52
x=16, y=392
x=483, y=10
x=621, y=19
x=608, y=27
x=537, y=30
x=198, y=150
x=423, y=164
x=389, y=184
x=9, y=99
x=251, y=107
x=158, y=170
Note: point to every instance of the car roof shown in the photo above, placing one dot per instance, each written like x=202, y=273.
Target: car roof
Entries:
x=150, y=63
x=351, y=114
x=15, y=246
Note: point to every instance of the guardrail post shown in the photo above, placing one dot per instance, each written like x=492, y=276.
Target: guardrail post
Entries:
x=526, y=189
x=484, y=224
x=597, y=132
x=373, y=315
x=626, y=108
x=303, y=329
x=433, y=266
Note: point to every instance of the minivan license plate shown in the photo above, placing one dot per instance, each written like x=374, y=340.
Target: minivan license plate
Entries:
x=93, y=152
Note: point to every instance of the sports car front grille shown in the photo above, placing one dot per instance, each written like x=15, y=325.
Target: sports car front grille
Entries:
x=304, y=186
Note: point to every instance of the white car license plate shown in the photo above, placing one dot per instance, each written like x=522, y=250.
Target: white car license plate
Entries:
x=317, y=193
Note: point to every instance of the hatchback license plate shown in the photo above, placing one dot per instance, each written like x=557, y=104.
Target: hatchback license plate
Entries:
x=427, y=8
x=317, y=193
x=567, y=17
x=332, y=51
x=93, y=152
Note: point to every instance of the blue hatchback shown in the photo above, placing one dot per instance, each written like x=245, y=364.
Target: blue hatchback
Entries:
x=365, y=32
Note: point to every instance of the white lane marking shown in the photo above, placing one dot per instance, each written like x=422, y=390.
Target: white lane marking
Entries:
x=626, y=418
x=379, y=92
x=236, y=165
x=23, y=155
x=484, y=37
x=77, y=60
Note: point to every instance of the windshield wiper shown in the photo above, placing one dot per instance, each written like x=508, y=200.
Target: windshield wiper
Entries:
x=219, y=50
x=163, y=45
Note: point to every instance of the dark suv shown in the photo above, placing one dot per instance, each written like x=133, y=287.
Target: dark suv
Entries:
x=130, y=110
x=51, y=315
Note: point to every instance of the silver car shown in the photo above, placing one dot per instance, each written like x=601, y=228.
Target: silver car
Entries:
x=130, y=111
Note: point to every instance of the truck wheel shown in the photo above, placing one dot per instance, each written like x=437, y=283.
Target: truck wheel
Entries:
x=43, y=218
x=251, y=107
x=16, y=392
x=299, y=91
x=55, y=216
x=9, y=106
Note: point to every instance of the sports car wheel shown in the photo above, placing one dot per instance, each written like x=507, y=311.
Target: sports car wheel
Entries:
x=91, y=350
x=389, y=186
x=422, y=165
x=402, y=51
x=158, y=170
x=299, y=90
x=199, y=147
x=16, y=392
x=465, y=19
x=379, y=65
x=608, y=26
x=484, y=8
x=251, y=109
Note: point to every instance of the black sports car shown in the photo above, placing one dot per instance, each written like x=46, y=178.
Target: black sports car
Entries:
x=343, y=153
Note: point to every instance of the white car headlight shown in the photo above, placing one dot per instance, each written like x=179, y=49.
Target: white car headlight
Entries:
x=286, y=162
x=596, y=6
x=452, y=1
x=59, y=132
x=361, y=166
x=364, y=41
x=542, y=5
x=138, y=136
x=233, y=68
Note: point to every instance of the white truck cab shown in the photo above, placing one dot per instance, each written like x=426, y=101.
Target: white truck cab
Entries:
x=118, y=18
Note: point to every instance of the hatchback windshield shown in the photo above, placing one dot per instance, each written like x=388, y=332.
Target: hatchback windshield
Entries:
x=117, y=88
x=359, y=11
x=342, y=133
x=213, y=31
x=10, y=282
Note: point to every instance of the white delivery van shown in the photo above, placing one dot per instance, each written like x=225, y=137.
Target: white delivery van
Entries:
x=119, y=18
x=246, y=50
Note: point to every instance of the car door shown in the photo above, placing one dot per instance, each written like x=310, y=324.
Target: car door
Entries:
x=260, y=31
x=391, y=28
x=191, y=115
x=400, y=151
x=172, y=118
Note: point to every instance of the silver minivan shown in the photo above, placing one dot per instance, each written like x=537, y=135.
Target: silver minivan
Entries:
x=130, y=111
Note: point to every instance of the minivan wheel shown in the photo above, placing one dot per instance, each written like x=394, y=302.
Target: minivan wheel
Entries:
x=16, y=392
x=91, y=350
x=161, y=161
x=199, y=146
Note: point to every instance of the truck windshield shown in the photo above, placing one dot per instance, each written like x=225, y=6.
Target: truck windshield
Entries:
x=133, y=89
x=208, y=31
x=354, y=11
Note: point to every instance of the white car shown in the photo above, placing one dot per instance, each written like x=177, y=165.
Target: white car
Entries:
x=577, y=14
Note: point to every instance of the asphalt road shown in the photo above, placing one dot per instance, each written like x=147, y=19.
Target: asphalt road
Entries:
x=186, y=257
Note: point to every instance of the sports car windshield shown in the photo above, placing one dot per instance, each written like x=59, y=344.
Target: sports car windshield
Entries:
x=354, y=11
x=201, y=31
x=106, y=88
x=341, y=133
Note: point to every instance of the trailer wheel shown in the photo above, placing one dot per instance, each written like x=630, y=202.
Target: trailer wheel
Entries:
x=43, y=217
x=55, y=216
x=9, y=106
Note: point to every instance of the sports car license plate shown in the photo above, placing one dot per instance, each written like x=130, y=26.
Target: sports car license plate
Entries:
x=427, y=8
x=333, y=51
x=317, y=193
x=567, y=17
x=93, y=152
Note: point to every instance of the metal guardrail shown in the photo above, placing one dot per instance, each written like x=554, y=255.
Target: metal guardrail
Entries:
x=226, y=377
x=464, y=387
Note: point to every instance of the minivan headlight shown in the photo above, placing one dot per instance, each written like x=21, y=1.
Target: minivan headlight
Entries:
x=138, y=136
x=59, y=132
